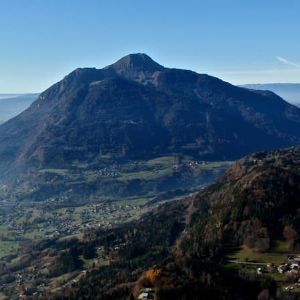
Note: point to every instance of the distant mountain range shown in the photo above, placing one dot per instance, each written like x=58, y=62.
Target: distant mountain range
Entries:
x=288, y=91
x=136, y=108
x=13, y=104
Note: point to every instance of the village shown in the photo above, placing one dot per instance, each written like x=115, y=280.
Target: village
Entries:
x=19, y=223
x=284, y=268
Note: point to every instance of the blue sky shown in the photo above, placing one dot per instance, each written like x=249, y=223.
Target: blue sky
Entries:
x=237, y=40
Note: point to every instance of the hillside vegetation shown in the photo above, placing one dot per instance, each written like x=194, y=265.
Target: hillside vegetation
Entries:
x=205, y=247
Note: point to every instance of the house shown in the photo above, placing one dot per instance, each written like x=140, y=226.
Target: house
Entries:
x=282, y=268
x=259, y=271
x=146, y=295
x=143, y=296
x=295, y=263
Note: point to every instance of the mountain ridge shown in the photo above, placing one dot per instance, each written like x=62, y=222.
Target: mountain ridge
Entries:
x=137, y=108
x=288, y=91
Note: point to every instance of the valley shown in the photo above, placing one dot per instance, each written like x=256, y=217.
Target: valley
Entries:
x=28, y=214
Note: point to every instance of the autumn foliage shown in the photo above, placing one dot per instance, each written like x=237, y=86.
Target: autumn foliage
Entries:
x=153, y=275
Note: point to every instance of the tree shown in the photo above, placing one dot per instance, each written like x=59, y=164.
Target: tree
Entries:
x=290, y=235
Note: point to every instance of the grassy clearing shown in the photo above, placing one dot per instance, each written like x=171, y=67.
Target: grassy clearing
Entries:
x=55, y=171
x=276, y=255
x=8, y=247
x=133, y=201
x=33, y=235
x=63, y=279
x=217, y=164
x=3, y=230
x=164, y=161
x=80, y=165
x=146, y=175
x=247, y=255
x=212, y=165
x=159, y=167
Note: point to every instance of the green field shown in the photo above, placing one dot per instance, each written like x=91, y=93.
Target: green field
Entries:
x=55, y=171
x=276, y=255
x=146, y=175
x=153, y=169
x=163, y=161
x=8, y=247
x=247, y=261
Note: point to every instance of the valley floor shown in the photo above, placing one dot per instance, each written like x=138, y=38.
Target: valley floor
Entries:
x=60, y=216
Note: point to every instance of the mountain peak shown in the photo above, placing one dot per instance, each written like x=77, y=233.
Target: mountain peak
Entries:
x=135, y=109
x=137, y=61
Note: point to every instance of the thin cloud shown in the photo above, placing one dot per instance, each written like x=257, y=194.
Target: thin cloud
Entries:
x=287, y=62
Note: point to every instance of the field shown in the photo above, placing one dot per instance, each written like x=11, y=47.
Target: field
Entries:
x=7, y=248
x=153, y=169
x=276, y=255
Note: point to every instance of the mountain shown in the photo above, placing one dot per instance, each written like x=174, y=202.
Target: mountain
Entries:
x=288, y=91
x=136, y=108
x=13, y=104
